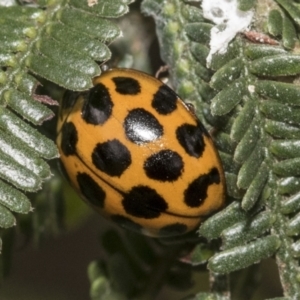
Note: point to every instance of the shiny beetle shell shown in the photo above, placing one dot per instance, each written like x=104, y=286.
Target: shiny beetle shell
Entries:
x=138, y=155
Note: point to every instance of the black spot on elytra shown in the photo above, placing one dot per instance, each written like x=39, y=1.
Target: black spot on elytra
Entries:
x=165, y=165
x=142, y=127
x=173, y=229
x=190, y=137
x=97, y=107
x=92, y=192
x=164, y=100
x=111, y=157
x=144, y=202
x=127, y=85
x=69, y=139
x=196, y=193
x=126, y=223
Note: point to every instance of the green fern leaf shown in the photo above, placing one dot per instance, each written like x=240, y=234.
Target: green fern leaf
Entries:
x=59, y=41
x=254, y=104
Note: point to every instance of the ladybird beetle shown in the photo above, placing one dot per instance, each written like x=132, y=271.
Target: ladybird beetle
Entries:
x=138, y=154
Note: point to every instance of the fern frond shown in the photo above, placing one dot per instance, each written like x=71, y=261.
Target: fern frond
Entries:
x=58, y=41
x=252, y=98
